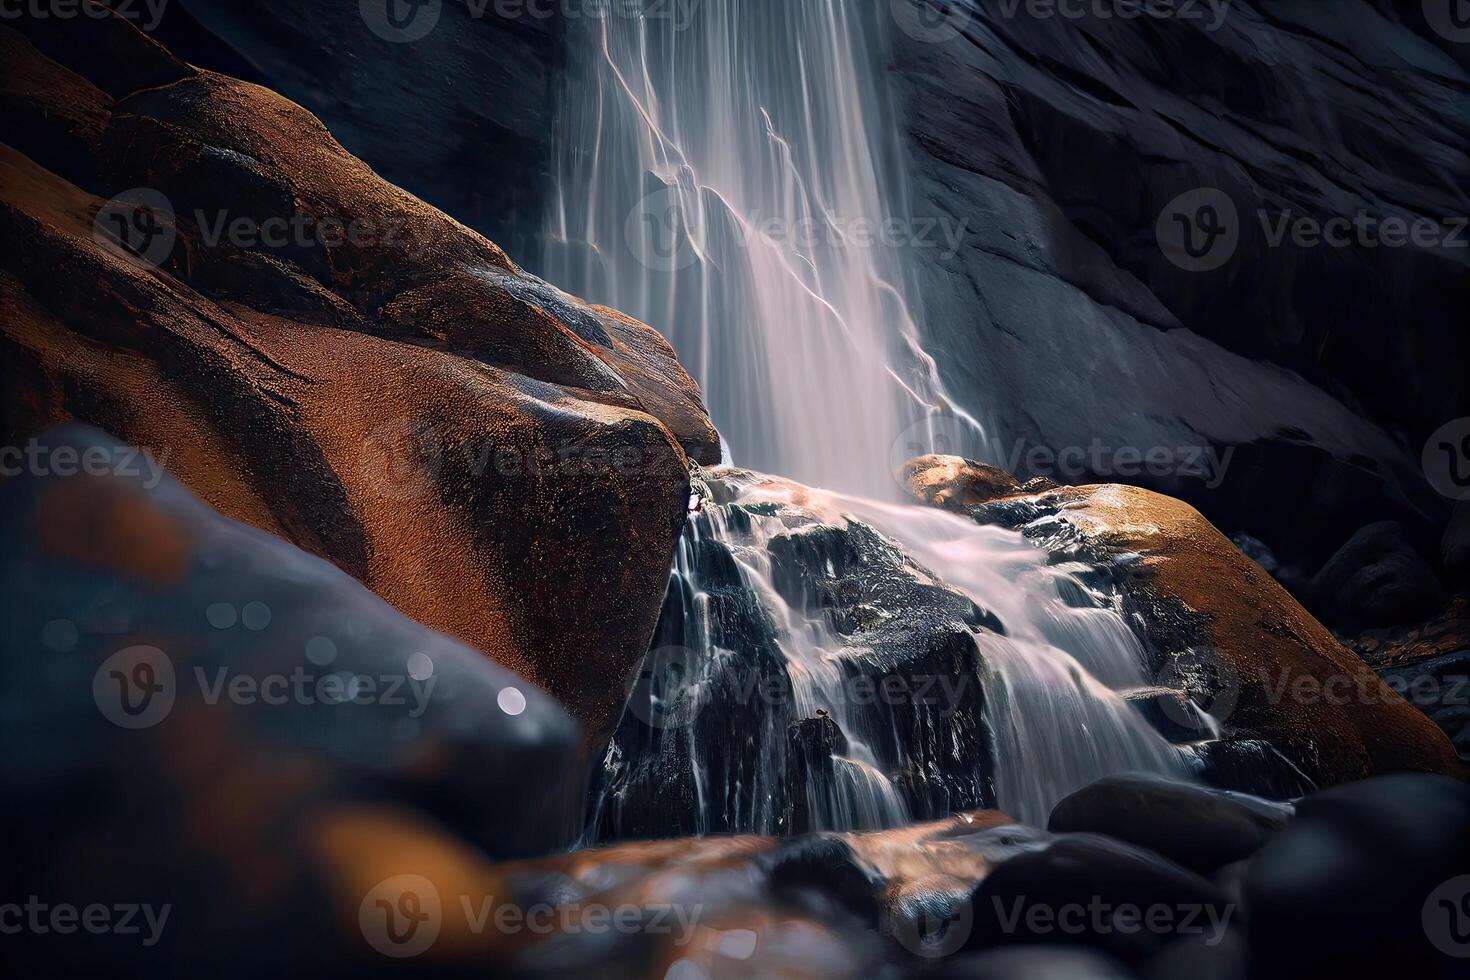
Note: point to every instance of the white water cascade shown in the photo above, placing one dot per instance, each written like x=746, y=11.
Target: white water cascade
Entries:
x=727, y=174
x=731, y=173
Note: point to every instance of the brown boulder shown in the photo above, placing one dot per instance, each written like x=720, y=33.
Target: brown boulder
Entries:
x=326, y=357
x=952, y=482
x=1224, y=630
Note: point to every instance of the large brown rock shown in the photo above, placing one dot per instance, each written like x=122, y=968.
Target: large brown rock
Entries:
x=1222, y=630
x=326, y=357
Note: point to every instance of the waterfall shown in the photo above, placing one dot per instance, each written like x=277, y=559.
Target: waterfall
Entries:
x=792, y=683
x=725, y=173
x=732, y=173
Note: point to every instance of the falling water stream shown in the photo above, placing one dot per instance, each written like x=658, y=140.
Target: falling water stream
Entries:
x=726, y=172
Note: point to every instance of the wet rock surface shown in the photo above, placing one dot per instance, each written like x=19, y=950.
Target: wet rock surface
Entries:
x=1070, y=139
x=718, y=723
x=347, y=831
x=1256, y=666
x=209, y=275
x=1377, y=578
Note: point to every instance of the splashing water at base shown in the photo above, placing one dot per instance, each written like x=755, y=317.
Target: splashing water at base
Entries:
x=713, y=172
x=1058, y=720
x=1049, y=667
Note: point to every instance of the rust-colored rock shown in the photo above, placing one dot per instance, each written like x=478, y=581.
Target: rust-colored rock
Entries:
x=953, y=483
x=326, y=357
x=1226, y=630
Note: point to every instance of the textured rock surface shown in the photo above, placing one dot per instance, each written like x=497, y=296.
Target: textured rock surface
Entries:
x=714, y=739
x=1060, y=140
x=1064, y=138
x=330, y=359
x=1218, y=627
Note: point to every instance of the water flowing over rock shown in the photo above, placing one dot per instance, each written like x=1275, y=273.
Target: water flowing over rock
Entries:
x=1253, y=665
x=811, y=670
x=1059, y=141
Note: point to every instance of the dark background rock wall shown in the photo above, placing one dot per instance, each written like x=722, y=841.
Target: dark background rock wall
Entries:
x=1060, y=141
x=1064, y=140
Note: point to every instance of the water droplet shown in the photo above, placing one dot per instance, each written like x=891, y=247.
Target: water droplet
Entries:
x=320, y=650
x=256, y=616
x=221, y=615
x=511, y=701
x=59, y=635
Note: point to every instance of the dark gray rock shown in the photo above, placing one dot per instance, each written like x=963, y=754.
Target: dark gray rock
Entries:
x=1063, y=139
x=729, y=741
x=189, y=704
x=460, y=117
x=1377, y=578
x=1455, y=546
x=1361, y=863
x=1091, y=890
x=1034, y=963
x=1439, y=687
x=1201, y=829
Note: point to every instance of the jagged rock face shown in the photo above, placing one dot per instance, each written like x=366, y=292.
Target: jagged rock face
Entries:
x=328, y=358
x=734, y=724
x=1064, y=138
x=1060, y=140
x=1220, y=630
x=199, y=715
